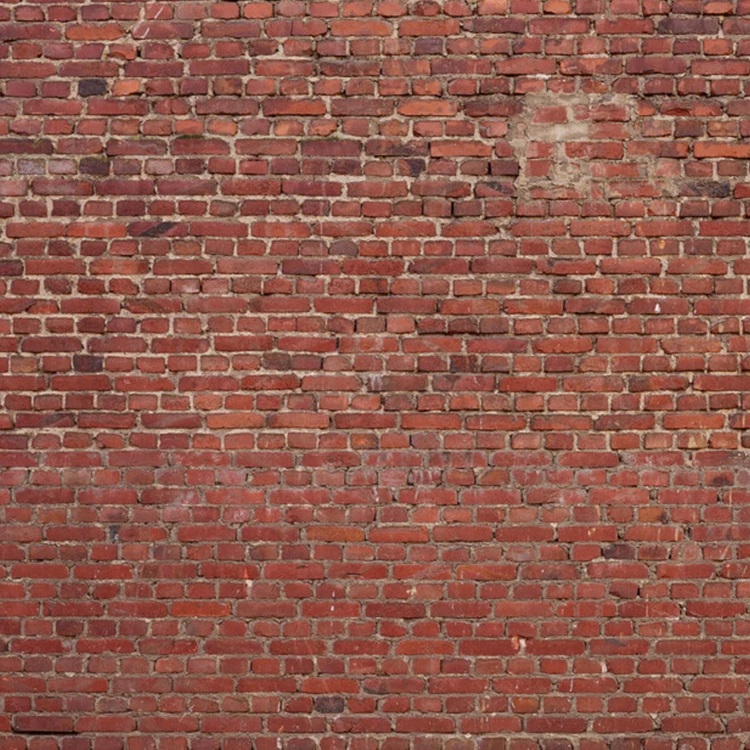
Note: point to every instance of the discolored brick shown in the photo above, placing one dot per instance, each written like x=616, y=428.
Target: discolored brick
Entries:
x=374, y=375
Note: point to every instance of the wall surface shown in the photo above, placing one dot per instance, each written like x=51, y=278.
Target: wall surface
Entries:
x=373, y=375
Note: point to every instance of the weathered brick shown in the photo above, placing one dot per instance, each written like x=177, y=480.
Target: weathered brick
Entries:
x=374, y=375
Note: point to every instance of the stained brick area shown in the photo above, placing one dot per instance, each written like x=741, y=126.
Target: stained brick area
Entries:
x=373, y=375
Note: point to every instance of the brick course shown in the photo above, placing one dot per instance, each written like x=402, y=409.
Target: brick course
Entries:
x=373, y=375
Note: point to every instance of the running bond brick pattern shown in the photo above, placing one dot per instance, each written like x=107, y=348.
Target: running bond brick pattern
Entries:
x=373, y=375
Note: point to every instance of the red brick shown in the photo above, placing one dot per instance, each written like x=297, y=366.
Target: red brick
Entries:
x=374, y=375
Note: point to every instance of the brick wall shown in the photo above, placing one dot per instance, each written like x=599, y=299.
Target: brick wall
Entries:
x=373, y=375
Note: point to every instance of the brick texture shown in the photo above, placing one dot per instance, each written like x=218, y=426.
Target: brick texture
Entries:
x=373, y=375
